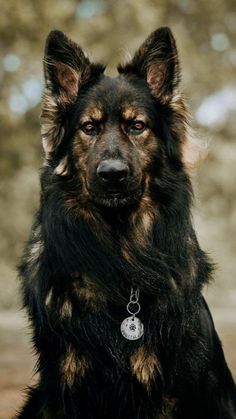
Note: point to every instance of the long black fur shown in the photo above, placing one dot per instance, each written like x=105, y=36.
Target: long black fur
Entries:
x=191, y=378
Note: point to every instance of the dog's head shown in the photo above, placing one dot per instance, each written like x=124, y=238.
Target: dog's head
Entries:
x=114, y=136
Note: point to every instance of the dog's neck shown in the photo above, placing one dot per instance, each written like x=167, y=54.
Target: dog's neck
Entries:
x=155, y=250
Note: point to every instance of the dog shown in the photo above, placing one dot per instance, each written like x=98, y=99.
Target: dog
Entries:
x=112, y=274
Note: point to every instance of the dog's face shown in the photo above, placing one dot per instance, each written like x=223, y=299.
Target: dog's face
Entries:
x=113, y=136
x=114, y=143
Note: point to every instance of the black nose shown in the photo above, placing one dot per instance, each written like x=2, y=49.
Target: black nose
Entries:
x=112, y=171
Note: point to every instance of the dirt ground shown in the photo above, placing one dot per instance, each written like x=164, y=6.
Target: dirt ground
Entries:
x=16, y=361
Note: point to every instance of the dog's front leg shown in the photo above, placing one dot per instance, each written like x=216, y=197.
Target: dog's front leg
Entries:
x=219, y=389
x=213, y=396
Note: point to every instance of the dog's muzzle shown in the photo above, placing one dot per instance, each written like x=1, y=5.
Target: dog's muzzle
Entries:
x=112, y=175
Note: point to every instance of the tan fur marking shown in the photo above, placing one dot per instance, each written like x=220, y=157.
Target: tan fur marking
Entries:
x=94, y=113
x=147, y=147
x=66, y=308
x=35, y=253
x=131, y=113
x=73, y=203
x=173, y=283
x=62, y=168
x=81, y=207
x=147, y=221
x=145, y=135
x=144, y=218
x=143, y=229
x=128, y=113
x=48, y=300
x=81, y=145
x=126, y=253
x=36, y=250
x=144, y=365
x=90, y=294
x=87, y=294
x=178, y=105
x=141, y=117
x=51, y=129
x=73, y=366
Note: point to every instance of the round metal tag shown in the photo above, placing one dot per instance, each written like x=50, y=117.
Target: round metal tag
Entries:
x=132, y=328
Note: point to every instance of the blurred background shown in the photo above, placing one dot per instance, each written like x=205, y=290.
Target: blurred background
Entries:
x=109, y=30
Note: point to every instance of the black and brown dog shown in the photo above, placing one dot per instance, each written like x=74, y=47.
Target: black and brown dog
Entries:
x=114, y=225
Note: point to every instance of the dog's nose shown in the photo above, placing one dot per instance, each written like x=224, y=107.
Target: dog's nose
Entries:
x=112, y=171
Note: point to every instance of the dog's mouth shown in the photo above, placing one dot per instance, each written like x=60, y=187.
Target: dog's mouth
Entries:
x=115, y=199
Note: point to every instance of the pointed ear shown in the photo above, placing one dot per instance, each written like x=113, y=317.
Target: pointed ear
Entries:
x=66, y=70
x=157, y=62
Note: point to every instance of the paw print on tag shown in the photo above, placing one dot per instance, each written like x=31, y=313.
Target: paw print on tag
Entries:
x=132, y=328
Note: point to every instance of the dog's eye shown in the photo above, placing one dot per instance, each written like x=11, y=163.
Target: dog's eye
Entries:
x=137, y=127
x=89, y=128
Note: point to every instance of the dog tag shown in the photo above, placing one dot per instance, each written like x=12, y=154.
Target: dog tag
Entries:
x=132, y=328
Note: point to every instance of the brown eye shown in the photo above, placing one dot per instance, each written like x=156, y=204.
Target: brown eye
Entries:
x=137, y=127
x=89, y=128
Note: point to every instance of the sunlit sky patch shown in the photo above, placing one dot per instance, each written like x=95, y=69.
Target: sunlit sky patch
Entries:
x=32, y=90
x=216, y=108
x=186, y=5
x=220, y=41
x=89, y=8
x=11, y=62
x=18, y=103
x=27, y=96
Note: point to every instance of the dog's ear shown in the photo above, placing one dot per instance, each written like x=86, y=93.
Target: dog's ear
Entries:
x=157, y=62
x=66, y=70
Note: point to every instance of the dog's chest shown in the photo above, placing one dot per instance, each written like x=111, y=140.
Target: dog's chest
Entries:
x=85, y=311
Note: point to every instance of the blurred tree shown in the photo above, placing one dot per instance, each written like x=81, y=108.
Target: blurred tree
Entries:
x=110, y=30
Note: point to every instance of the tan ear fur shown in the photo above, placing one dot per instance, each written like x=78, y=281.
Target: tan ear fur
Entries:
x=156, y=76
x=157, y=62
x=68, y=79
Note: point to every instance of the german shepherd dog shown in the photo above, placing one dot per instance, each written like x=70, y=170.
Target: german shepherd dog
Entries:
x=113, y=273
